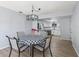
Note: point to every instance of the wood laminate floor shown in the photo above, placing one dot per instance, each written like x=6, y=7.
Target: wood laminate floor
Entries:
x=60, y=48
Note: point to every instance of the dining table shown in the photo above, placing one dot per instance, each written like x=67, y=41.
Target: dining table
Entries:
x=32, y=40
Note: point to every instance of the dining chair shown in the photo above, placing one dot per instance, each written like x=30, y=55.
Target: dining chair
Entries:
x=44, y=45
x=20, y=45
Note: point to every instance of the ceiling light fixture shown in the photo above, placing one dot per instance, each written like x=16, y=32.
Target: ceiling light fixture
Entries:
x=33, y=16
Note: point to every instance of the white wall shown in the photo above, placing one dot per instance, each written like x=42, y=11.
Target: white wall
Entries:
x=75, y=29
x=65, y=26
x=10, y=23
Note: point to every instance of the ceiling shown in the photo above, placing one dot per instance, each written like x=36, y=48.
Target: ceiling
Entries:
x=47, y=7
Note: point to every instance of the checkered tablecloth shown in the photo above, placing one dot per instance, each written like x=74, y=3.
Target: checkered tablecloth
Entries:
x=32, y=39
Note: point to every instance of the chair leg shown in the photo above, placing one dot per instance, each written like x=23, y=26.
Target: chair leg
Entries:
x=50, y=51
x=43, y=53
x=32, y=51
x=10, y=52
x=19, y=52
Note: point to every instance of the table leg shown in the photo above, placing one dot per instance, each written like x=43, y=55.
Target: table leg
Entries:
x=31, y=50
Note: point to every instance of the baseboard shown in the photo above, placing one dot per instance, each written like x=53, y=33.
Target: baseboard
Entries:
x=4, y=47
x=75, y=50
x=62, y=38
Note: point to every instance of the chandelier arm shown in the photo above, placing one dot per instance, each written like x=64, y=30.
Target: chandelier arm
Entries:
x=33, y=9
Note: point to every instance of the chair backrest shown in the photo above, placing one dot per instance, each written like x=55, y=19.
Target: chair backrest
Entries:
x=10, y=43
x=20, y=34
x=43, y=33
x=48, y=41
